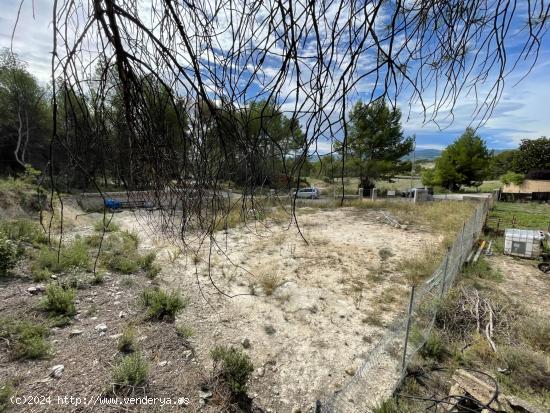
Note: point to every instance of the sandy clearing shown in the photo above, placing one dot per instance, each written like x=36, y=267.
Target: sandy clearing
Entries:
x=333, y=299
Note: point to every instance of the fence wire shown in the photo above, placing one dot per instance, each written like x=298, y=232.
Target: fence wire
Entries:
x=385, y=366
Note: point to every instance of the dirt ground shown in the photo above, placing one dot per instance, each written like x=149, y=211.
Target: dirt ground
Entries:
x=523, y=281
x=310, y=311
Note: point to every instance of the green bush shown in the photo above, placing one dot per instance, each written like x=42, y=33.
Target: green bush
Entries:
x=24, y=230
x=127, y=341
x=59, y=301
x=162, y=305
x=28, y=339
x=132, y=370
x=8, y=254
x=512, y=178
x=387, y=406
x=235, y=366
x=119, y=252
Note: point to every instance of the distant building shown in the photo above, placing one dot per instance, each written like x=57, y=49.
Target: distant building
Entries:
x=536, y=187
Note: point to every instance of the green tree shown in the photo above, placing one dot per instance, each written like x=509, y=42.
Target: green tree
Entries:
x=24, y=119
x=376, y=139
x=532, y=154
x=464, y=162
x=501, y=163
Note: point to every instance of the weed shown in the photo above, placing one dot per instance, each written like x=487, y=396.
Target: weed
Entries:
x=162, y=305
x=418, y=268
x=127, y=282
x=269, y=283
x=74, y=254
x=269, y=329
x=105, y=225
x=529, y=369
x=184, y=331
x=132, y=370
x=385, y=253
x=235, y=366
x=6, y=392
x=483, y=270
x=23, y=230
x=59, y=301
x=28, y=339
x=8, y=254
x=98, y=278
x=387, y=406
x=373, y=320
x=434, y=348
x=147, y=263
x=127, y=341
x=536, y=331
x=42, y=274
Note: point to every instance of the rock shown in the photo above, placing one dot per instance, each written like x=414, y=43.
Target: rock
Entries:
x=205, y=394
x=350, y=371
x=162, y=363
x=261, y=372
x=115, y=336
x=245, y=343
x=32, y=290
x=188, y=354
x=116, y=303
x=521, y=405
x=101, y=327
x=75, y=333
x=122, y=314
x=53, y=277
x=57, y=371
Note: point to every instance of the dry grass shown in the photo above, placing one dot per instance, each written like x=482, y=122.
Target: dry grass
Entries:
x=420, y=267
x=269, y=282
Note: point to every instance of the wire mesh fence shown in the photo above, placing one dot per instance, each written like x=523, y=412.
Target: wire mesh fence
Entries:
x=384, y=368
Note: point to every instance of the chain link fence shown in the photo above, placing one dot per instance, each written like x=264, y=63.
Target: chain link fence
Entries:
x=385, y=366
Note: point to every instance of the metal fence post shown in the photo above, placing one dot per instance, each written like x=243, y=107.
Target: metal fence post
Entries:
x=445, y=272
x=409, y=316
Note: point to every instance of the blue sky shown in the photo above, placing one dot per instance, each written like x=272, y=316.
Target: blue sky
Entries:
x=523, y=111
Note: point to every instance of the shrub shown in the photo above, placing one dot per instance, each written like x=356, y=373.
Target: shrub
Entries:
x=98, y=278
x=8, y=254
x=147, y=263
x=536, y=330
x=105, y=225
x=235, y=367
x=23, y=230
x=132, y=370
x=162, y=305
x=512, y=178
x=119, y=252
x=59, y=301
x=127, y=341
x=28, y=339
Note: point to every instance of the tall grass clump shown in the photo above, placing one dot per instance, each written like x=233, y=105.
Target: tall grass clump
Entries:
x=74, y=254
x=105, y=225
x=23, y=230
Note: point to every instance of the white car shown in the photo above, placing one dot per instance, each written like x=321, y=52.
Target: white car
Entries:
x=310, y=193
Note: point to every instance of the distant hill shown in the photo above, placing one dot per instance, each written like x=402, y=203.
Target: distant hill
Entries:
x=428, y=154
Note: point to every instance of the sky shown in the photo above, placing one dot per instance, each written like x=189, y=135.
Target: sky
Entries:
x=522, y=113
